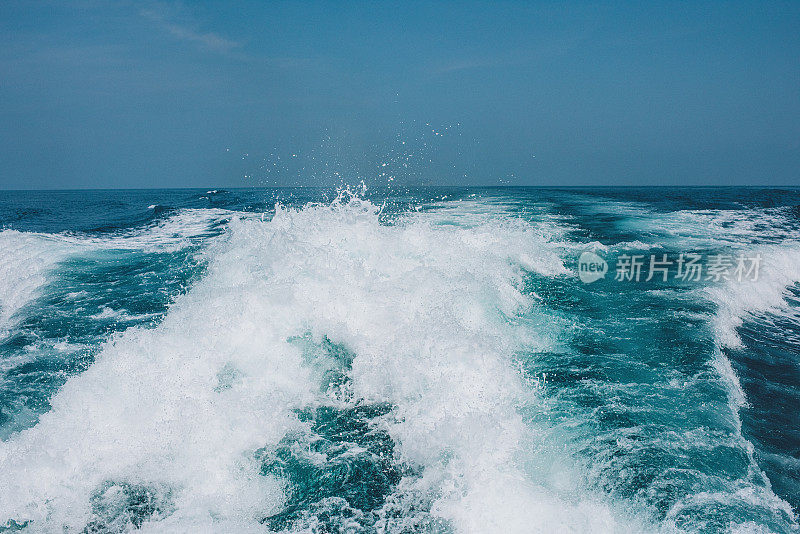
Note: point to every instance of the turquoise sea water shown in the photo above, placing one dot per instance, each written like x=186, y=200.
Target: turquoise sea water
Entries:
x=422, y=360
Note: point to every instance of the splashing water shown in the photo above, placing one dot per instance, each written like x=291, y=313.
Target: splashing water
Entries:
x=391, y=362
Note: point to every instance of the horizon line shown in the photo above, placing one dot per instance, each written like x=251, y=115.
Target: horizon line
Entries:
x=418, y=186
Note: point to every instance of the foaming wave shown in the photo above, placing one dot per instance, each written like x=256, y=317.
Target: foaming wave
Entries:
x=183, y=228
x=717, y=228
x=26, y=260
x=192, y=425
x=768, y=232
x=772, y=234
x=737, y=300
x=28, y=257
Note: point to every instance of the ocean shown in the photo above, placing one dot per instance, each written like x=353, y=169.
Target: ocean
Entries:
x=440, y=360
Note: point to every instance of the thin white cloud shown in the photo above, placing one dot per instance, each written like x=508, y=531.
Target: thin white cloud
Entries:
x=511, y=58
x=186, y=32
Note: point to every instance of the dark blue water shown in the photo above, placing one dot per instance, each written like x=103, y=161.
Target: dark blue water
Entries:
x=415, y=360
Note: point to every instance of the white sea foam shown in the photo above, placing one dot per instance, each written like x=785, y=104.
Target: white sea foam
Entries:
x=424, y=308
x=183, y=228
x=29, y=257
x=106, y=313
x=26, y=260
x=767, y=232
x=770, y=235
x=713, y=228
x=737, y=300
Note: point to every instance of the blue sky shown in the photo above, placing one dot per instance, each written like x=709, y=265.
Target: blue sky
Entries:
x=168, y=94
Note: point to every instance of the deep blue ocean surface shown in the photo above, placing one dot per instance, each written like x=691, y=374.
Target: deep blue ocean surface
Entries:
x=415, y=360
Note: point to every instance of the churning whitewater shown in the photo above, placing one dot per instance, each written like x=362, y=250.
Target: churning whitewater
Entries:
x=416, y=361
